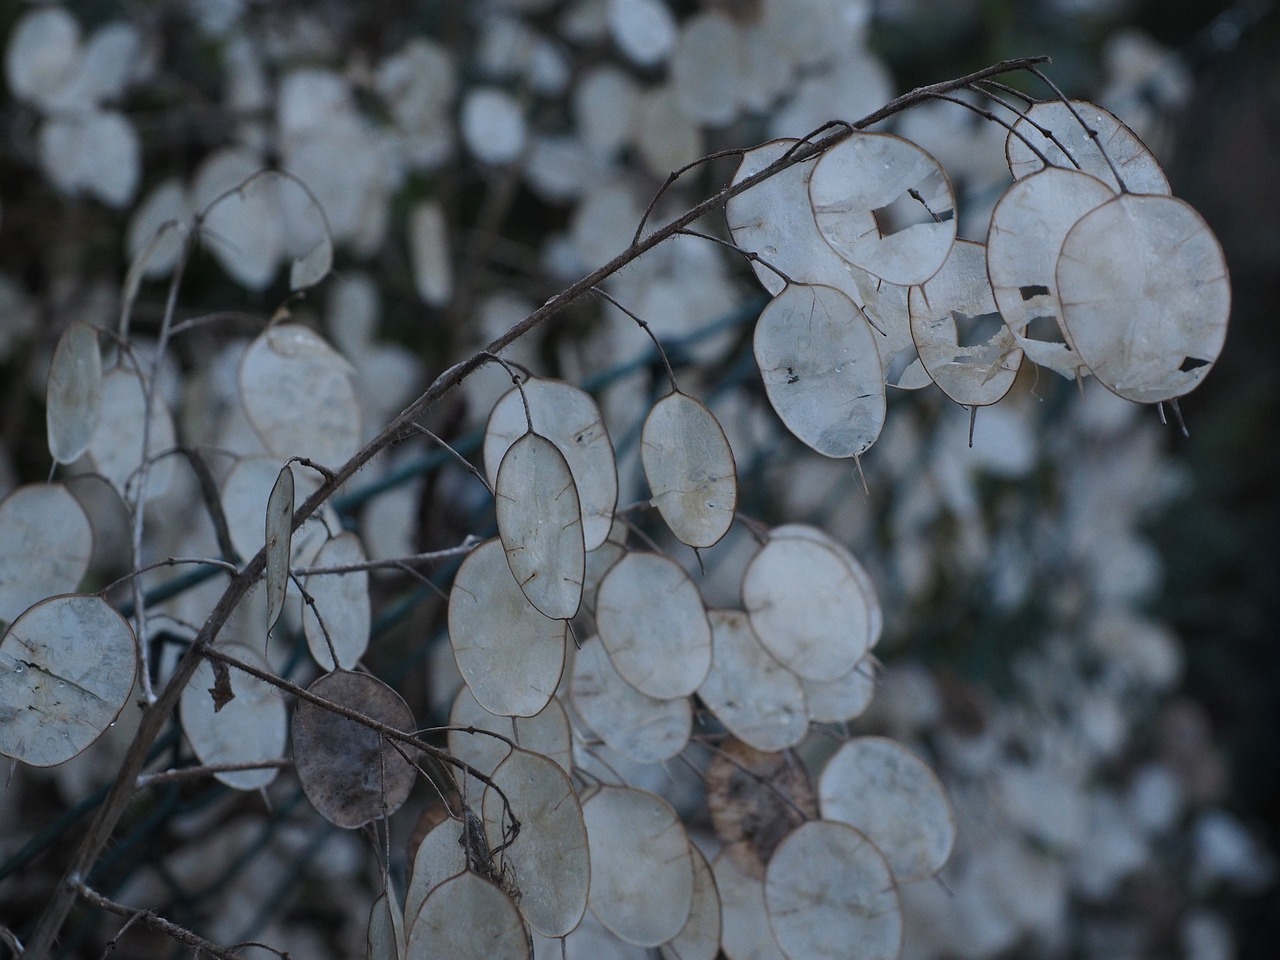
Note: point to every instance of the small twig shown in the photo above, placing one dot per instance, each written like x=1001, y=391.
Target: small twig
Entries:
x=510, y=366
x=114, y=942
x=988, y=115
x=1011, y=91
x=137, y=507
x=155, y=922
x=588, y=746
x=844, y=126
x=221, y=316
x=310, y=601
x=1177, y=415
x=759, y=531
x=918, y=197
x=212, y=502
x=466, y=464
x=207, y=770
x=473, y=730
x=672, y=178
x=467, y=545
x=1093, y=134
x=134, y=575
x=648, y=540
x=749, y=255
x=319, y=468
x=671, y=374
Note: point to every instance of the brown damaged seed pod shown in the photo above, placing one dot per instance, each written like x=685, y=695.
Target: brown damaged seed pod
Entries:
x=756, y=799
x=349, y=772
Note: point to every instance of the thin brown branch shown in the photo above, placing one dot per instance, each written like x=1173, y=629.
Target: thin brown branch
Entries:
x=673, y=177
x=671, y=374
x=462, y=461
x=749, y=255
x=155, y=922
x=208, y=770
x=212, y=501
x=396, y=563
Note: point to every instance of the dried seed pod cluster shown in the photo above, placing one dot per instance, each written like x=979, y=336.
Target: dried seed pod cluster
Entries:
x=1089, y=268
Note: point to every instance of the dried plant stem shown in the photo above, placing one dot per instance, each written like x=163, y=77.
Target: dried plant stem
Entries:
x=208, y=770
x=155, y=922
x=137, y=506
x=158, y=714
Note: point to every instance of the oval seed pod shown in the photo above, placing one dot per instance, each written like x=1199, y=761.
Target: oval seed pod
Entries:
x=891, y=795
x=633, y=723
x=73, y=393
x=67, y=667
x=251, y=727
x=540, y=525
x=963, y=343
x=299, y=394
x=468, y=918
x=385, y=935
x=689, y=465
x=1028, y=225
x=1145, y=296
x=905, y=194
x=806, y=607
x=821, y=369
x=746, y=932
x=546, y=733
x=116, y=447
x=641, y=868
x=700, y=937
x=48, y=543
x=1136, y=164
x=650, y=618
x=752, y=694
x=341, y=616
x=830, y=896
x=774, y=219
x=348, y=772
x=569, y=418
x=279, y=534
x=440, y=855
x=875, y=613
x=509, y=654
x=550, y=852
